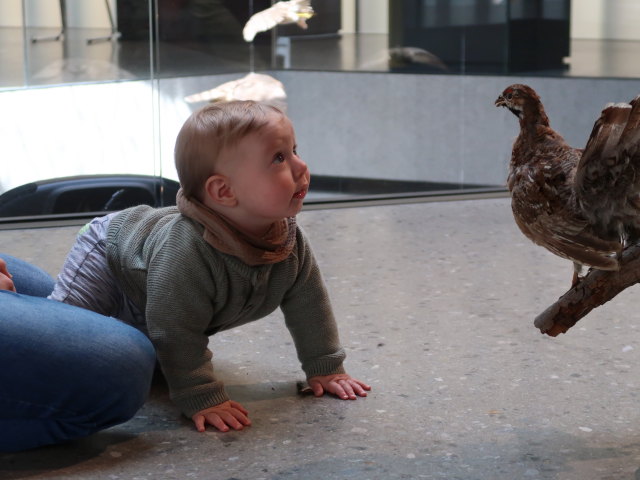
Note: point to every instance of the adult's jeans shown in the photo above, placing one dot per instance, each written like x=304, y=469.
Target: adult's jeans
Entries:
x=65, y=372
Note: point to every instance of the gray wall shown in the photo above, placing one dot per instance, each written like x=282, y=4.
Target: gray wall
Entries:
x=374, y=125
x=441, y=128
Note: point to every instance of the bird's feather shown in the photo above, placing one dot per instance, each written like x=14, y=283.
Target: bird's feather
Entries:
x=608, y=174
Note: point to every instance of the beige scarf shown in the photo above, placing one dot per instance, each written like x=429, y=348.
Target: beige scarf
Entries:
x=220, y=233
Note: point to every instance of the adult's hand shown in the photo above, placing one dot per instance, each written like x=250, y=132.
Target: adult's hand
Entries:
x=5, y=277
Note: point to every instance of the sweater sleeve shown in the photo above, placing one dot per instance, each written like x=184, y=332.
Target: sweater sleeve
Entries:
x=309, y=317
x=178, y=310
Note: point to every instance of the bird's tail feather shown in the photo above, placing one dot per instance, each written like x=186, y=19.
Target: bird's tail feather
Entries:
x=630, y=138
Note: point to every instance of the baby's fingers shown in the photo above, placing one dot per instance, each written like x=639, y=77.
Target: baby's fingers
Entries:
x=342, y=389
x=360, y=387
x=223, y=420
x=317, y=388
x=216, y=421
x=199, y=421
x=211, y=419
x=239, y=419
x=237, y=406
x=349, y=388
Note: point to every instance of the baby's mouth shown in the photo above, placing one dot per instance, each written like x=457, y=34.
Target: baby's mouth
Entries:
x=300, y=194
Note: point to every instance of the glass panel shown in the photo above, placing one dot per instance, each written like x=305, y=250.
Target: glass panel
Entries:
x=12, y=45
x=463, y=12
x=521, y=9
x=112, y=81
x=556, y=9
x=430, y=16
x=199, y=37
x=79, y=108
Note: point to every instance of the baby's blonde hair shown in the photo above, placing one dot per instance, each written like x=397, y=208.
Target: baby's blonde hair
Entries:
x=207, y=132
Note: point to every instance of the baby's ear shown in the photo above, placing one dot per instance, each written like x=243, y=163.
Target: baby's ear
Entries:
x=218, y=191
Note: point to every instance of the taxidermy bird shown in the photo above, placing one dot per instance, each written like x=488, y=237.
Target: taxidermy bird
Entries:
x=281, y=13
x=254, y=86
x=581, y=204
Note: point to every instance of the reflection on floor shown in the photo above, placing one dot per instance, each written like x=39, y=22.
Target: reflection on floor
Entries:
x=75, y=60
x=435, y=304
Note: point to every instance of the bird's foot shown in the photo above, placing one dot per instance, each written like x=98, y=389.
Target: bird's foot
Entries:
x=576, y=279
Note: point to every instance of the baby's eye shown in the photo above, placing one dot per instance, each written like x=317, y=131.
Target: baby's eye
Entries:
x=295, y=150
x=279, y=158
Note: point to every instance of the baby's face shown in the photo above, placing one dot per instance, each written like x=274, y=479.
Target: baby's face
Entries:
x=267, y=176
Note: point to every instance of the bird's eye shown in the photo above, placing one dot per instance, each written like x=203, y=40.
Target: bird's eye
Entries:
x=509, y=96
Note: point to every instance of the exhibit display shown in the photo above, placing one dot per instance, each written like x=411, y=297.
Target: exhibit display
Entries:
x=387, y=96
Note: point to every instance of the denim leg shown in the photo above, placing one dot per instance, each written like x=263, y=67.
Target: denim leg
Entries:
x=66, y=372
x=27, y=278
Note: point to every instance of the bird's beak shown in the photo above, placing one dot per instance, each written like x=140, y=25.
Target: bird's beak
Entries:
x=500, y=102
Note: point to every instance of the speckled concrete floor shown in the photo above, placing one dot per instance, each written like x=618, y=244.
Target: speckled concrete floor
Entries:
x=435, y=303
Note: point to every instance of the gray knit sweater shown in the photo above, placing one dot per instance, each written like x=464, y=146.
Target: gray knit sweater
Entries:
x=189, y=291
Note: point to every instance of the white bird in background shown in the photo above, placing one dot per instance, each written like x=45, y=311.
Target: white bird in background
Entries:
x=254, y=86
x=281, y=13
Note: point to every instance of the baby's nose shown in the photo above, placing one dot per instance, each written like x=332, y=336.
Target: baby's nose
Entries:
x=299, y=166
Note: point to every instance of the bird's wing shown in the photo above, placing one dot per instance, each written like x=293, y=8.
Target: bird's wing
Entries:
x=608, y=176
x=544, y=212
x=266, y=20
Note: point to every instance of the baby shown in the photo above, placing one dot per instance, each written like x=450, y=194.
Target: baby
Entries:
x=229, y=254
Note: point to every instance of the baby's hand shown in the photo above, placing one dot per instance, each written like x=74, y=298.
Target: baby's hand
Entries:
x=340, y=384
x=222, y=416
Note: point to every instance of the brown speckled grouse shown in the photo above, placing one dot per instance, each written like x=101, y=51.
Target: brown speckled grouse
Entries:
x=583, y=205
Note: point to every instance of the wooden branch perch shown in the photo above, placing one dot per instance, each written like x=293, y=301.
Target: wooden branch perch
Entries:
x=595, y=289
